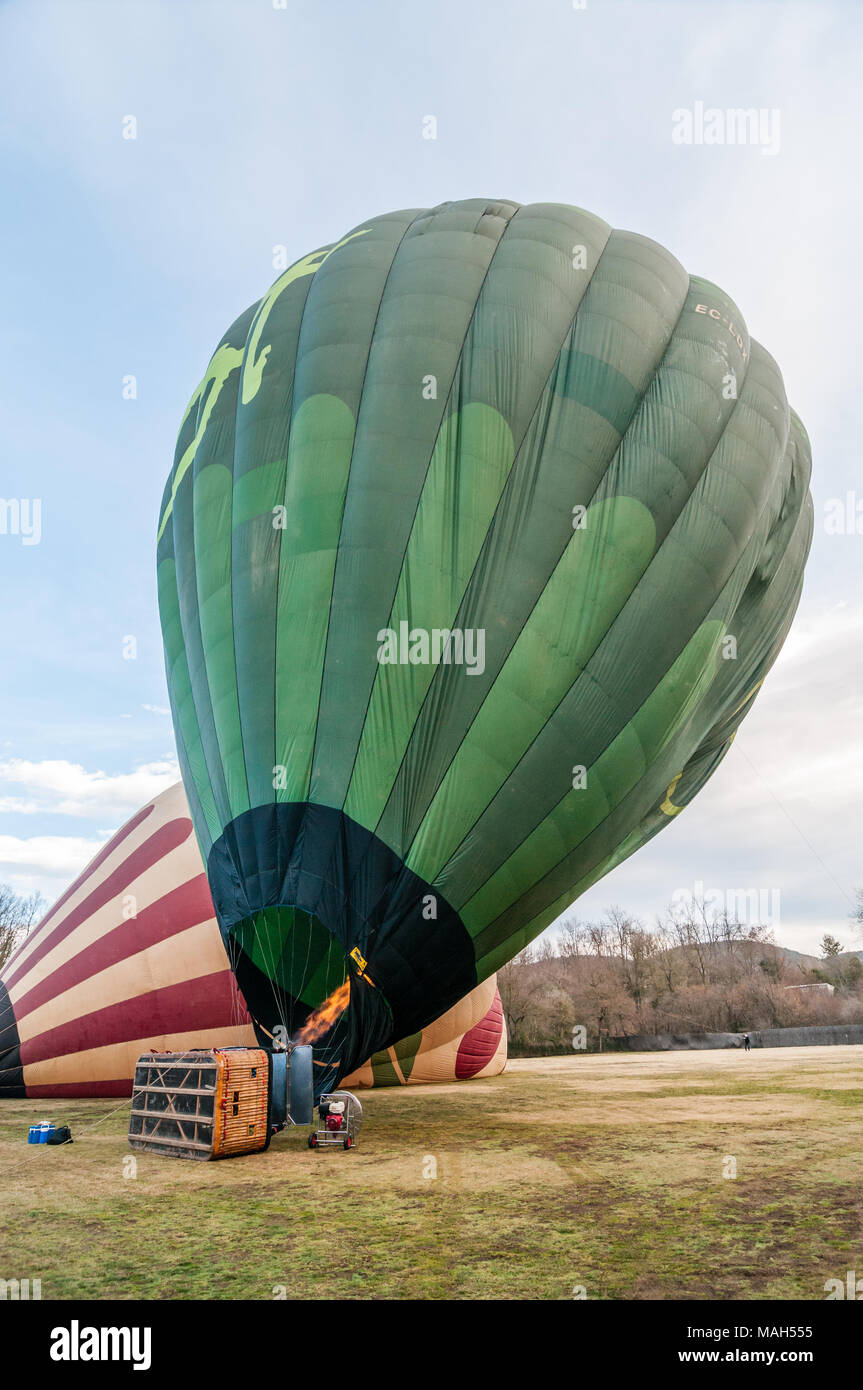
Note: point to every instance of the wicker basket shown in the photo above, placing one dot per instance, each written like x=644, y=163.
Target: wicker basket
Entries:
x=208, y=1103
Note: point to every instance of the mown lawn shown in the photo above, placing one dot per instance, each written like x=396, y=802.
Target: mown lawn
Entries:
x=601, y=1173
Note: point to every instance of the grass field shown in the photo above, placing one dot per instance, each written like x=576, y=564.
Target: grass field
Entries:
x=604, y=1172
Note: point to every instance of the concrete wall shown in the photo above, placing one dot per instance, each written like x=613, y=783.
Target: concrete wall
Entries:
x=769, y=1037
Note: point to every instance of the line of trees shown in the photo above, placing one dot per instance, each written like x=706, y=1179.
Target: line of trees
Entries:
x=697, y=971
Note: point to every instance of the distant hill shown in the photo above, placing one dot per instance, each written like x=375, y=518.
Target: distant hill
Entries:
x=801, y=959
x=629, y=985
x=806, y=962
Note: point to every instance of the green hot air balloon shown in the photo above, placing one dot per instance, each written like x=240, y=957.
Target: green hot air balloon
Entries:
x=484, y=527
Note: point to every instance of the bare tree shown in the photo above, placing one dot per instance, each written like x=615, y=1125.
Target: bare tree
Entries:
x=518, y=988
x=17, y=915
x=856, y=913
x=571, y=939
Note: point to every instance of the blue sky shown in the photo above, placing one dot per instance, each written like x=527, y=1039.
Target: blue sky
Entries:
x=260, y=127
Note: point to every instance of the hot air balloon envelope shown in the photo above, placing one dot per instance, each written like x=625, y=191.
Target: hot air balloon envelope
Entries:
x=484, y=527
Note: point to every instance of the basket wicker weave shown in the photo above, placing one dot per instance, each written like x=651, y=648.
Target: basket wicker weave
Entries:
x=208, y=1103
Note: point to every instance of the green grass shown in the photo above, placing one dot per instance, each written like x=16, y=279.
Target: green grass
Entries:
x=602, y=1172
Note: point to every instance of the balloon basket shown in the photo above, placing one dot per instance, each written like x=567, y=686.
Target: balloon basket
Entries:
x=217, y=1102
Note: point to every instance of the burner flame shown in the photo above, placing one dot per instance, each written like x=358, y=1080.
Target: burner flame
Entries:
x=325, y=1015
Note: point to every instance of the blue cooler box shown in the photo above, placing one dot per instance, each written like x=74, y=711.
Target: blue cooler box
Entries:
x=39, y=1133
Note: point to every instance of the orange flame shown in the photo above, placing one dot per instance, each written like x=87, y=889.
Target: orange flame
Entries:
x=325, y=1015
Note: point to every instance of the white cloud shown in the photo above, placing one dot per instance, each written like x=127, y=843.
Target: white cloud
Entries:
x=44, y=863
x=57, y=787
x=47, y=863
x=56, y=855
x=156, y=709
